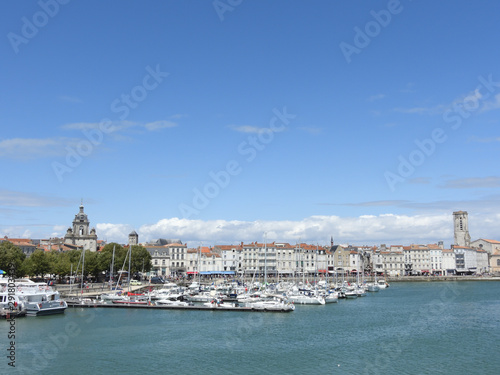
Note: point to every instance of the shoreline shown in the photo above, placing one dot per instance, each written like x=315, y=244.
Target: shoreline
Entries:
x=440, y=278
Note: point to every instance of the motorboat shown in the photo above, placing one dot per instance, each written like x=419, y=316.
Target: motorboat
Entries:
x=382, y=284
x=304, y=299
x=39, y=298
x=172, y=302
x=274, y=304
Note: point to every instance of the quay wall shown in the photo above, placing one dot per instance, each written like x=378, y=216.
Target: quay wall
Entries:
x=441, y=278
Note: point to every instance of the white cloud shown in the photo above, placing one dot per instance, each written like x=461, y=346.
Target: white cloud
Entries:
x=120, y=126
x=21, y=199
x=247, y=129
x=491, y=105
x=31, y=148
x=390, y=229
x=159, y=125
x=113, y=232
x=367, y=229
x=437, y=109
x=472, y=183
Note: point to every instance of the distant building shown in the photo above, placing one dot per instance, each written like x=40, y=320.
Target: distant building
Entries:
x=25, y=244
x=133, y=238
x=487, y=245
x=495, y=261
x=81, y=234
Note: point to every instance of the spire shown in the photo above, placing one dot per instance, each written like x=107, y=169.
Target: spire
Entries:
x=331, y=240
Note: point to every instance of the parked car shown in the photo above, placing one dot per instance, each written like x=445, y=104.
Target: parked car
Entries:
x=135, y=282
x=157, y=280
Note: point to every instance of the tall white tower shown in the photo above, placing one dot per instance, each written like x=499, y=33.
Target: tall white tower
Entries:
x=461, y=228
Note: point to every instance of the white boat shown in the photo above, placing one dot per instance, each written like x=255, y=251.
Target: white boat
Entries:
x=112, y=297
x=350, y=293
x=39, y=298
x=361, y=292
x=11, y=305
x=382, y=284
x=303, y=299
x=372, y=287
x=331, y=297
x=131, y=301
x=169, y=302
x=275, y=304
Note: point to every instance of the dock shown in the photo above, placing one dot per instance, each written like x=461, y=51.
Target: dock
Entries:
x=221, y=307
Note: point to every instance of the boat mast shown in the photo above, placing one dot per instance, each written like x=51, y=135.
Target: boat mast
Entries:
x=265, y=259
x=83, y=267
x=129, y=264
x=112, y=266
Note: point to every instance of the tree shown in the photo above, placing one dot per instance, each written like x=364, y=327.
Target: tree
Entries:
x=140, y=258
x=12, y=259
x=92, y=263
x=60, y=263
x=38, y=263
x=106, y=256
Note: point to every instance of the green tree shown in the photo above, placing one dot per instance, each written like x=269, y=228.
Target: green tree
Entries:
x=140, y=258
x=38, y=263
x=92, y=263
x=60, y=263
x=106, y=256
x=12, y=259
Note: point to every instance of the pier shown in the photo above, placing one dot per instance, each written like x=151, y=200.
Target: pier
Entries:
x=221, y=307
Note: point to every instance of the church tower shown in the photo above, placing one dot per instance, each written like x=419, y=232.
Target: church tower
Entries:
x=461, y=228
x=133, y=238
x=81, y=234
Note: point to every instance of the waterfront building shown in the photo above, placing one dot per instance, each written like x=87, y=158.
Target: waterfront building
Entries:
x=341, y=258
x=488, y=245
x=461, y=228
x=436, y=258
x=417, y=259
x=285, y=259
x=495, y=261
x=324, y=259
x=483, y=264
x=177, y=258
x=160, y=259
x=465, y=259
x=80, y=234
x=449, y=264
x=168, y=259
x=393, y=261
x=231, y=257
x=377, y=260
x=259, y=258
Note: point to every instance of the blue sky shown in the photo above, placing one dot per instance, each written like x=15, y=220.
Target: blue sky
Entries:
x=368, y=121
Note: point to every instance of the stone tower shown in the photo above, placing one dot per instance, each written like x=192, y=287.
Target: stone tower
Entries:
x=133, y=238
x=461, y=228
x=81, y=234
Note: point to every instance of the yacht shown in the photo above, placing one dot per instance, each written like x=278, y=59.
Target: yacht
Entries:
x=39, y=298
x=274, y=304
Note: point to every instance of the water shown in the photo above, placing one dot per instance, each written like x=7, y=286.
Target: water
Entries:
x=409, y=328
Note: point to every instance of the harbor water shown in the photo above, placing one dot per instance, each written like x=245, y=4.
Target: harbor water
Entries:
x=408, y=328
